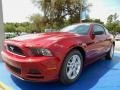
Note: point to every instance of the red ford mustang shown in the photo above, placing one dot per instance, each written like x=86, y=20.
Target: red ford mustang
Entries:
x=57, y=55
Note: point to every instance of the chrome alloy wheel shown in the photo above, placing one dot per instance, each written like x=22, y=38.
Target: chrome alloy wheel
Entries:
x=73, y=66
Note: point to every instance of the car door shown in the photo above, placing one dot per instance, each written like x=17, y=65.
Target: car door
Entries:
x=100, y=39
x=91, y=46
x=88, y=43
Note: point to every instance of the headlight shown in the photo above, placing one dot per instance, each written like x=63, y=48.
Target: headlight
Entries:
x=40, y=52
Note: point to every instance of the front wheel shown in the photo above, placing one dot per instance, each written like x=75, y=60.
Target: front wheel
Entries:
x=110, y=53
x=72, y=67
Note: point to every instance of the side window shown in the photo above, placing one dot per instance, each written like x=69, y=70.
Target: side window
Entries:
x=98, y=30
x=83, y=29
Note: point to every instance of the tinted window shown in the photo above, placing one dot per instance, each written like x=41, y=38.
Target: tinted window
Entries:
x=98, y=28
x=79, y=29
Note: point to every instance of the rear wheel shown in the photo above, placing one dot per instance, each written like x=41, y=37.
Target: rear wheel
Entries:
x=110, y=53
x=72, y=67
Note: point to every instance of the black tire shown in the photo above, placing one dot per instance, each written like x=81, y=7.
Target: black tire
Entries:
x=63, y=73
x=109, y=56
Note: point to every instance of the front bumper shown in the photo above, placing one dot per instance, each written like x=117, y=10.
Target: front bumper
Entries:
x=39, y=69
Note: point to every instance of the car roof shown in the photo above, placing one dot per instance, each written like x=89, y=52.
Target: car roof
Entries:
x=87, y=24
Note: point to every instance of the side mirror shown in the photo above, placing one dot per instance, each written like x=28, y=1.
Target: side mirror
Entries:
x=98, y=33
x=92, y=36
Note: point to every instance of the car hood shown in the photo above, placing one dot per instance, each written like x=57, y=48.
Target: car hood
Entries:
x=43, y=39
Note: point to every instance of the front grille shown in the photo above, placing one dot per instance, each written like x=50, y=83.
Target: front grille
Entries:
x=15, y=50
x=14, y=69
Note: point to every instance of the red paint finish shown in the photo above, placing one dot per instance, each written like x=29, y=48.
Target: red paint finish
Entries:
x=47, y=68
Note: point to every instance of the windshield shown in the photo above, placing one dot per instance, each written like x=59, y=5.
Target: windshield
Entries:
x=77, y=28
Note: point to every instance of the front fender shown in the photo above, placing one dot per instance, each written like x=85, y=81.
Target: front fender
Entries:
x=61, y=48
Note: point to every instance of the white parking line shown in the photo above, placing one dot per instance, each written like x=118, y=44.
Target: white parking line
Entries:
x=4, y=87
